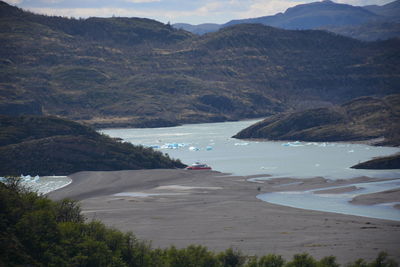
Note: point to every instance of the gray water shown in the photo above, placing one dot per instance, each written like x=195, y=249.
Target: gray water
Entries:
x=44, y=184
x=211, y=143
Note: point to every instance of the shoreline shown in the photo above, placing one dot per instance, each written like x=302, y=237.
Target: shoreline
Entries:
x=180, y=207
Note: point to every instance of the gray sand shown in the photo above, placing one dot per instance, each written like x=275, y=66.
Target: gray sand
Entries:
x=219, y=211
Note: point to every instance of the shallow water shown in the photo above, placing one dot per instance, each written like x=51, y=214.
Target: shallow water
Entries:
x=212, y=144
x=44, y=184
x=339, y=203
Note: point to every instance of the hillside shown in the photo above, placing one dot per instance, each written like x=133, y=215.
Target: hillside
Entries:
x=120, y=72
x=390, y=162
x=370, y=31
x=48, y=145
x=360, y=119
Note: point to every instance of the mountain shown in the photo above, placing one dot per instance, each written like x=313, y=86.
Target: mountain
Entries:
x=367, y=23
x=314, y=15
x=389, y=10
x=360, y=119
x=53, y=146
x=120, y=72
x=198, y=29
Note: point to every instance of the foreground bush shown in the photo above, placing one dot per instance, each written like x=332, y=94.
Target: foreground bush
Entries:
x=35, y=231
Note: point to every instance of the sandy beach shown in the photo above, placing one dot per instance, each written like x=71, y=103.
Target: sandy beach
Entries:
x=180, y=207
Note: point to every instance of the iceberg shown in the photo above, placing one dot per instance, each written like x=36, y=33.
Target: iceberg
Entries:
x=173, y=145
x=193, y=148
x=296, y=143
x=208, y=148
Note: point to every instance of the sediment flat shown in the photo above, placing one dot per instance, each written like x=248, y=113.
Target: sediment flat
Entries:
x=389, y=196
x=180, y=207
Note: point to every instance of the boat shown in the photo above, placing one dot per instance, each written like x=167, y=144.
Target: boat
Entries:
x=198, y=166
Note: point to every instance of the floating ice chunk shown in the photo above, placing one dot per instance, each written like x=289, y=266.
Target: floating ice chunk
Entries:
x=173, y=145
x=26, y=178
x=350, y=151
x=268, y=168
x=208, y=148
x=155, y=146
x=296, y=143
x=241, y=144
x=193, y=148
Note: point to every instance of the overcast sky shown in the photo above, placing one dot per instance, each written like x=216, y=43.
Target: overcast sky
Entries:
x=189, y=11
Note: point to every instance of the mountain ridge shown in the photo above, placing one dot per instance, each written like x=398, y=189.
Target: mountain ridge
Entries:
x=367, y=23
x=242, y=71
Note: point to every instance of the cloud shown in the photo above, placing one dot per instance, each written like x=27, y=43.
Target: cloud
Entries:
x=364, y=2
x=259, y=8
x=142, y=1
x=194, y=12
x=14, y=2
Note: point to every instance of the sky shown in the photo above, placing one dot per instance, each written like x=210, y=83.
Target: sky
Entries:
x=173, y=11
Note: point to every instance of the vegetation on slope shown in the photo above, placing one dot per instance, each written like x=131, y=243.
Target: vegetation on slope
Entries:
x=360, y=119
x=138, y=72
x=53, y=146
x=35, y=231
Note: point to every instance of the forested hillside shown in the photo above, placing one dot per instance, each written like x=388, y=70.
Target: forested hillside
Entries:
x=360, y=119
x=142, y=73
x=41, y=145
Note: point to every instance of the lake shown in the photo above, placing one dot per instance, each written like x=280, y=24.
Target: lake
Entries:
x=211, y=143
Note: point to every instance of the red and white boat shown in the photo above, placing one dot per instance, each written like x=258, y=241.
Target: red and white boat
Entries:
x=198, y=166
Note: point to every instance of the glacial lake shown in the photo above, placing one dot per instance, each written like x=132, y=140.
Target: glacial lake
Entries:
x=211, y=143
